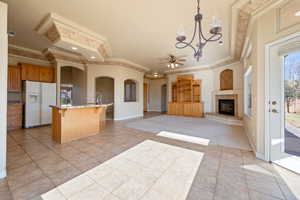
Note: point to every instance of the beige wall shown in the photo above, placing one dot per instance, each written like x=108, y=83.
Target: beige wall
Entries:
x=211, y=85
x=207, y=78
x=154, y=94
x=76, y=77
x=3, y=87
x=122, y=110
x=105, y=87
x=265, y=30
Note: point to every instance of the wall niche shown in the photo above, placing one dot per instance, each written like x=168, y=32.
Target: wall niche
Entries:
x=226, y=80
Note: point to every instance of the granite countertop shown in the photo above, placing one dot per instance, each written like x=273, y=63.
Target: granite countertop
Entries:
x=81, y=106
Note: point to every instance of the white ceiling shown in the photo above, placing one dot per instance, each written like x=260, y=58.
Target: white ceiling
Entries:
x=138, y=30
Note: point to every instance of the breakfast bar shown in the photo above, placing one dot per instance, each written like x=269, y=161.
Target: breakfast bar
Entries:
x=75, y=122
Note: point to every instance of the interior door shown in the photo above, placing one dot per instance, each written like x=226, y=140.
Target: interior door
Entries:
x=284, y=108
x=145, y=97
x=48, y=97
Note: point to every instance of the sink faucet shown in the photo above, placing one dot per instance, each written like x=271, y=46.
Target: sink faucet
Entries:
x=99, y=99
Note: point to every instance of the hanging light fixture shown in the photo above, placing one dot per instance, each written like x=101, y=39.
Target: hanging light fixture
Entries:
x=215, y=32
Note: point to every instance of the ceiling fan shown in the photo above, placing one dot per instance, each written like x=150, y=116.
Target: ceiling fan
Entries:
x=173, y=61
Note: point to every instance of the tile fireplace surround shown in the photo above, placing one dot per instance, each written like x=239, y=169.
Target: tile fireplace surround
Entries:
x=227, y=97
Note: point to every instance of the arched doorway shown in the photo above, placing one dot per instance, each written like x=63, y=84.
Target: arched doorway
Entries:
x=164, y=98
x=104, y=93
x=73, y=86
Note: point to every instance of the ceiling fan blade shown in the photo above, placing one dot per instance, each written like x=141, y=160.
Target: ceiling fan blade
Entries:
x=179, y=63
x=182, y=59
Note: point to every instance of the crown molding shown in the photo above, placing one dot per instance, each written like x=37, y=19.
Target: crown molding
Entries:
x=246, y=12
x=120, y=62
x=23, y=54
x=255, y=14
x=228, y=63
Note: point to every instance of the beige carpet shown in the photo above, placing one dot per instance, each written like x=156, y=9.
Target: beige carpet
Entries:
x=211, y=131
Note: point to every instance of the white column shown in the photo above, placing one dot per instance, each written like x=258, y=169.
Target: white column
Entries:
x=3, y=88
x=58, y=79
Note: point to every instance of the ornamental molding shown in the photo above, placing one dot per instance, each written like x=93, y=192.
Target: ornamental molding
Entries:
x=247, y=12
x=64, y=33
x=18, y=51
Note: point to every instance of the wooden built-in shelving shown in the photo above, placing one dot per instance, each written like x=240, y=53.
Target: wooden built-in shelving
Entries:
x=186, y=97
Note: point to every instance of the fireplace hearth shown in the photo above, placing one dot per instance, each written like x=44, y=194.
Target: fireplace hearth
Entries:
x=226, y=107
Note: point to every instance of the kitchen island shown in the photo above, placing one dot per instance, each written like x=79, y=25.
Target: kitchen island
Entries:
x=74, y=122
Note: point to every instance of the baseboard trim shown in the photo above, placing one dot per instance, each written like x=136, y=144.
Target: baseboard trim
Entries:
x=3, y=174
x=154, y=111
x=128, y=117
x=260, y=156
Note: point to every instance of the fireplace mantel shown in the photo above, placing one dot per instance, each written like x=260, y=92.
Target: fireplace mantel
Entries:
x=227, y=97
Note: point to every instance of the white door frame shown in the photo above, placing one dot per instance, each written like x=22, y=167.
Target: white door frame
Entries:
x=3, y=88
x=267, y=91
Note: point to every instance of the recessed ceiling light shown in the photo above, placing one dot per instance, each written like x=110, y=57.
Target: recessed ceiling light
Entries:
x=93, y=57
x=297, y=14
x=11, y=34
x=74, y=48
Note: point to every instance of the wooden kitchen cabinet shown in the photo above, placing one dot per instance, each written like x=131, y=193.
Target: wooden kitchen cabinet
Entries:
x=30, y=72
x=47, y=74
x=37, y=73
x=14, y=79
x=14, y=116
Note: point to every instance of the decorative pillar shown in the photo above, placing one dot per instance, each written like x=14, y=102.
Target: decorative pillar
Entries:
x=3, y=87
x=58, y=79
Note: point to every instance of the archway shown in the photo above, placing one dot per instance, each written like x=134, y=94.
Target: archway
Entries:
x=104, y=93
x=73, y=86
x=226, y=80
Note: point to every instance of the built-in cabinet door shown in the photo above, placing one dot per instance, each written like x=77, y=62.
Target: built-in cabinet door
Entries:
x=46, y=74
x=30, y=72
x=14, y=79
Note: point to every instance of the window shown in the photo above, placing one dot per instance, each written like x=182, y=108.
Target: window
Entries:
x=248, y=92
x=130, y=91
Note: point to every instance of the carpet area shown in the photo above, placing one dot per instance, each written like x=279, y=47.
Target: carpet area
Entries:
x=212, y=131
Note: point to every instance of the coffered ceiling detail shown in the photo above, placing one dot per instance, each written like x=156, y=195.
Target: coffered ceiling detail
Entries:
x=68, y=35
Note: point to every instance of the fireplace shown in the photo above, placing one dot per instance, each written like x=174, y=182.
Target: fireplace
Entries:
x=226, y=106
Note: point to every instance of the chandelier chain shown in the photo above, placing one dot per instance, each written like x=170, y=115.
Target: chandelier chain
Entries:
x=215, y=32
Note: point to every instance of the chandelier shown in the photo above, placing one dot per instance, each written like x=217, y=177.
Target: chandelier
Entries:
x=215, y=32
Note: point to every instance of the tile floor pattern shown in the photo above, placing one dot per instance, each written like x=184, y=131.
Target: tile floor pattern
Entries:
x=150, y=170
x=37, y=165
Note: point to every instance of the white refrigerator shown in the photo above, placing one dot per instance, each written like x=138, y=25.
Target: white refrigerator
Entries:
x=38, y=98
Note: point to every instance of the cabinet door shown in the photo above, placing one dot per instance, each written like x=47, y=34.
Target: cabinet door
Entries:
x=30, y=72
x=47, y=74
x=14, y=79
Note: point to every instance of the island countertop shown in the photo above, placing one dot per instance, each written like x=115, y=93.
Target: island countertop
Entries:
x=75, y=122
x=63, y=107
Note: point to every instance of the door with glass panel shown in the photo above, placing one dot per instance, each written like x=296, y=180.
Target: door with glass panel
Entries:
x=284, y=108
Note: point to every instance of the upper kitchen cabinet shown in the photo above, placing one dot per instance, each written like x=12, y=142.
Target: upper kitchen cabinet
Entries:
x=47, y=74
x=14, y=79
x=30, y=72
x=37, y=73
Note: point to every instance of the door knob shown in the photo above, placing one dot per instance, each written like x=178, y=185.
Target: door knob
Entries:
x=274, y=111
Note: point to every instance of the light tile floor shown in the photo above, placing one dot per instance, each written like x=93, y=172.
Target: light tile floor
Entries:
x=116, y=165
